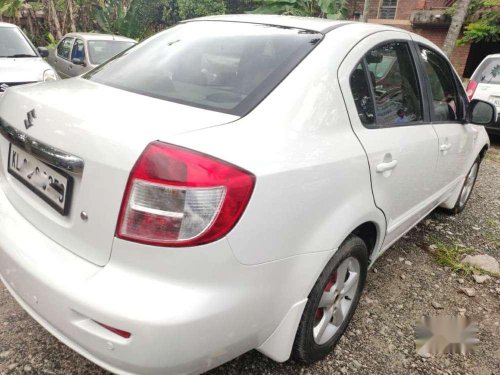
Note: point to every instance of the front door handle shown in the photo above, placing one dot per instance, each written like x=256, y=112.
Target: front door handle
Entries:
x=445, y=147
x=383, y=167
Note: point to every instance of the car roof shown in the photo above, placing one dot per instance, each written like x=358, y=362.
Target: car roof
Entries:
x=321, y=25
x=96, y=36
x=493, y=55
x=5, y=24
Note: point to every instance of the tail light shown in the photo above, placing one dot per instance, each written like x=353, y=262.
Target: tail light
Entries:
x=179, y=197
x=471, y=89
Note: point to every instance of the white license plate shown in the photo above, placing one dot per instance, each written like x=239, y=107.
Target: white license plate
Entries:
x=496, y=101
x=50, y=184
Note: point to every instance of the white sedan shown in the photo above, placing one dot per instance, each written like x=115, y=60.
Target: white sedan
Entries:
x=225, y=185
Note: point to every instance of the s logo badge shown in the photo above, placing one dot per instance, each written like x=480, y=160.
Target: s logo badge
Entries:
x=28, y=123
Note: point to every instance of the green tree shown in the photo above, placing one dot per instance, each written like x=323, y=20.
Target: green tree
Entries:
x=333, y=9
x=195, y=8
x=11, y=8
x=482, y=21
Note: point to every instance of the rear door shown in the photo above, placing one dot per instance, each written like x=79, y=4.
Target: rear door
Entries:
x=447, y=102
x=63, y=56
x=388, y=114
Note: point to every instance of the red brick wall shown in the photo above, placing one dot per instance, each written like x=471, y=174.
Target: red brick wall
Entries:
x=437, y=36
x=403, y=12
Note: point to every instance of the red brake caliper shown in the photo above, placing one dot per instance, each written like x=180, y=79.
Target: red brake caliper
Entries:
x=331, y=281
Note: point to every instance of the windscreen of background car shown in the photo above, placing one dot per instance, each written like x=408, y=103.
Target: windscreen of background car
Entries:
x=223, y=66
x=488, y=72
x=14, y=44
x=101, y=51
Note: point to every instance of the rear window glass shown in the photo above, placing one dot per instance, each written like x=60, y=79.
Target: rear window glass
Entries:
x=488, y=72
x=222, y=66
x=102, y=50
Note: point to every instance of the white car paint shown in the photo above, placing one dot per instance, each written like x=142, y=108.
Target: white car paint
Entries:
x=191, y=309
x=22, y=70
x=487, y=90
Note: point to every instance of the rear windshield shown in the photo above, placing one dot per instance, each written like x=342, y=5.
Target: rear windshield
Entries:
x=223, y=66
x=102, y=50
x=488, y=71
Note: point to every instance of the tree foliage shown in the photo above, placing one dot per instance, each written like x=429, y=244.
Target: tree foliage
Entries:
x=333, y=9
x=482, y=22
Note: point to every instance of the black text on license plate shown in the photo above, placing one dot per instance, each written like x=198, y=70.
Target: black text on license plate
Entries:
x=53, y=186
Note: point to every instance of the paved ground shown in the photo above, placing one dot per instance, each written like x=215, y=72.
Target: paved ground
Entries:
x=380, y=337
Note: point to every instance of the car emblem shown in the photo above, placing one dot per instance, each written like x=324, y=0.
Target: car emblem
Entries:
x=3, y=87
x=28, y=123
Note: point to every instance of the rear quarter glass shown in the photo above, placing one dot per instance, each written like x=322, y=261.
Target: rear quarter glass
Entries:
x=222, y=66
x=488, y=71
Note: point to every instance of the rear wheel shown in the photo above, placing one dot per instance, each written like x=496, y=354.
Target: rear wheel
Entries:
x=332, y=302
x=467, y=188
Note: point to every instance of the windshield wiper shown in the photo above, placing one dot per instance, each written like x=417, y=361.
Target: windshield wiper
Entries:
x=19, y=55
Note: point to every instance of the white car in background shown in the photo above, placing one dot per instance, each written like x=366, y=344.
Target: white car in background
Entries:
x=20, y=61
x=225, y=185
x=485, y=85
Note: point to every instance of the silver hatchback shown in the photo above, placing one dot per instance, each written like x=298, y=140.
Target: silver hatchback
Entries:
x=77, y=53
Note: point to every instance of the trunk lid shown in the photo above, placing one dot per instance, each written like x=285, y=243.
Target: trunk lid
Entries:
x=105, y=127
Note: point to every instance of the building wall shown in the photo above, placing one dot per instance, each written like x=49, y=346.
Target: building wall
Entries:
x=402, y=20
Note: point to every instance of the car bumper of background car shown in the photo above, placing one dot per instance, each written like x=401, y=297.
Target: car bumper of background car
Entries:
x=188, y=310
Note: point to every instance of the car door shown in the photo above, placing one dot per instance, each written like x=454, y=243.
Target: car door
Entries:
x=78, y=52
x=63, y=56
x=447, y=103
x=382, y=93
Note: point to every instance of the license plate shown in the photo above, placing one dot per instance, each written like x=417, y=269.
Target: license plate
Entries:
x=52, y=185
x=496, y=101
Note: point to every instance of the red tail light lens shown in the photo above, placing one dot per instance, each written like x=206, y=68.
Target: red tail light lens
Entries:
x=471, y=89
x=179, y=197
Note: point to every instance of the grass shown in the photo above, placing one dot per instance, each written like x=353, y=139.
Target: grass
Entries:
x=492, y=239
x=451, y=256
x=493, y=223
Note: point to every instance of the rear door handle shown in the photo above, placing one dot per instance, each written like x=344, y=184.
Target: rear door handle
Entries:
x=445, y=147
x=383, y=167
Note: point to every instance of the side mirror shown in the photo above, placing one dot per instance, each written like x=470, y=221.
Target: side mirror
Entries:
x=78, y=61
x=480, y=112
x=44, y=52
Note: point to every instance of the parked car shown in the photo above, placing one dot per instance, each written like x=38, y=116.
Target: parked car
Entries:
x=485, y=85
x=77, y=53
x=225, y=186
x=20, y=61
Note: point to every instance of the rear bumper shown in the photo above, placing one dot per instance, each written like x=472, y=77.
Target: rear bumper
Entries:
x=188, y=310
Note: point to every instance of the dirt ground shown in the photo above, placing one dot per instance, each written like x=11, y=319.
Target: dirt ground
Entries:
x=406, y=283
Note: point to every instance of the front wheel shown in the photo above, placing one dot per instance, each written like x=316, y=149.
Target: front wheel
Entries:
x=332, y=302
x=467, y=188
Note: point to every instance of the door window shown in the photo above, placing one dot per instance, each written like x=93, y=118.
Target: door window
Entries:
x=391, y=80
x=446, y=104
x=362, y=96
x=78, y=50
x=64, y=48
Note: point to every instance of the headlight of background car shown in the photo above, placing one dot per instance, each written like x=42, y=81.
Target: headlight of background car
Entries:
x=50, y=75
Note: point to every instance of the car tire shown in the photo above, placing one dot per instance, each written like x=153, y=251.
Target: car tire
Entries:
x=310, y=343
x=467, y=187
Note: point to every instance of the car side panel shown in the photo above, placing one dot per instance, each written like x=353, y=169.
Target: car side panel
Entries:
x=312, y=173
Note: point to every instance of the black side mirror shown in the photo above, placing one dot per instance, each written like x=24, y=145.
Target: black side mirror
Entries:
x=78, y=61
x=480, y=112
x=44, y=52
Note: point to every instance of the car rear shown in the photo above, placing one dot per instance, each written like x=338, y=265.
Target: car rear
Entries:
x=112, y=234
x=485, y=85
